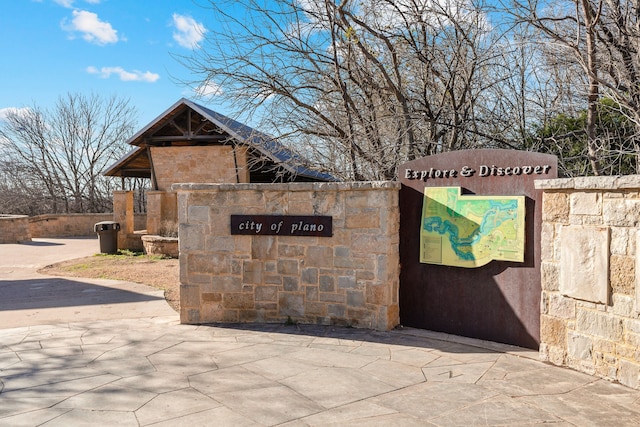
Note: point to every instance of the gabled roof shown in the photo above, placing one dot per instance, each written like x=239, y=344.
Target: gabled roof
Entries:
x=134, y=164
x=173, y=127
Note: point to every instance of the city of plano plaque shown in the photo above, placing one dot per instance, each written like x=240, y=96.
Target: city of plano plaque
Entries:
x=282, y=225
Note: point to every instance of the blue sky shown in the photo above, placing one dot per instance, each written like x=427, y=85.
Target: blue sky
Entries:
x=110, y=47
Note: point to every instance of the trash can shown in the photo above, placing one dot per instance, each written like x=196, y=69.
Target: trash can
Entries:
x=108, y=236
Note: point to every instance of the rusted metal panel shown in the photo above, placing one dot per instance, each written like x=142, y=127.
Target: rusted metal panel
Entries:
x=497, y=302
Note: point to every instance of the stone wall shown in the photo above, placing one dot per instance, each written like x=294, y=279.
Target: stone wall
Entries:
x=198, y=164
x=590, y=310
x=350, y=278
x=70, y=225
x=161, y=211
x=14, y=229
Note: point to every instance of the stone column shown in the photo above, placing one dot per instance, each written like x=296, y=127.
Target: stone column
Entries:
x=590, y=313
x=161, y=208
x=123, y=214
x=154, y=211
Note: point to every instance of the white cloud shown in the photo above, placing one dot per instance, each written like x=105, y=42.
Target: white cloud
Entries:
x=208, y=89
x=395, y=16
x=437, y=13
x=124, y=75
x=69, y=3
x=6, y=112
x=189, y=33
x=65, y=3
x=92, y=28
x=312, y=8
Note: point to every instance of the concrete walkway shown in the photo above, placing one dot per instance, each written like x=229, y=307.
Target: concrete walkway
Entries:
x=28, y=298
x=150, y=370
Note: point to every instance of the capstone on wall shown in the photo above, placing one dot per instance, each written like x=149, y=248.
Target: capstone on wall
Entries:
x=350, y=278
x=590, y=310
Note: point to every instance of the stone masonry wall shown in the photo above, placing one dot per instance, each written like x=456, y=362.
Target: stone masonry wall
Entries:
x=70, y=225
x=590, y=310
x=198, y=164
x=14, y=229
x=351, y=278
x=62, y=225
x=161, y=210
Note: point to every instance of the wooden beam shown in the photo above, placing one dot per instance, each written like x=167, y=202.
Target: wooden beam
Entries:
x=172, y=122
x=154, y=182
x=200, y=138
x=202, y=125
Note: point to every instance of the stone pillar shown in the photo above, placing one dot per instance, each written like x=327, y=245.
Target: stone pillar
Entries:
x=123, y=214
x=590, y=312
x=14, y=229
x=162, y=209
x=154, y=211
x=169, y=210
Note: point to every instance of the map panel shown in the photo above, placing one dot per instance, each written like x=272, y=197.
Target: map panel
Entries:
x=471, y=231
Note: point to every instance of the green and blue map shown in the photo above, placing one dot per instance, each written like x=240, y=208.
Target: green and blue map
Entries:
x=471, y=231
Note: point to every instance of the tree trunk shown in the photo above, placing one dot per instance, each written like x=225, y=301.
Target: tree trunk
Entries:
x=593, y=94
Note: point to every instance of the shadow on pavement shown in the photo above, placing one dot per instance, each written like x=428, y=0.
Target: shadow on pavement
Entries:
x=61, y=292
x=400, y=336
x=34, y=243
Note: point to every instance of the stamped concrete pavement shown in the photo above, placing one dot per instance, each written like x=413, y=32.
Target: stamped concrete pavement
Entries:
x=150, y=370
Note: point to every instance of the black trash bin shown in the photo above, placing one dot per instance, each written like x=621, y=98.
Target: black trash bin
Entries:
x=108, y=236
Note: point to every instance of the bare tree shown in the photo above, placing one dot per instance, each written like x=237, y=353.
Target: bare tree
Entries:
x=603, y=38
x=64, y=151
x=19, y=194
x=360, y=85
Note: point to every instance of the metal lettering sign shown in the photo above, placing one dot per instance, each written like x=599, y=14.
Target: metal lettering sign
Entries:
x=444, y=214
x=282, y=225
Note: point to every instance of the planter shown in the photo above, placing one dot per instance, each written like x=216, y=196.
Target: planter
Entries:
x=160, y=245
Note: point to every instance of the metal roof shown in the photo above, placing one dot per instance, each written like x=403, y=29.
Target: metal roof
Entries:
x=239, y=133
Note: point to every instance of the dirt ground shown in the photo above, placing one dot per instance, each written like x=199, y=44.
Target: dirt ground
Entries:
x=161, y=273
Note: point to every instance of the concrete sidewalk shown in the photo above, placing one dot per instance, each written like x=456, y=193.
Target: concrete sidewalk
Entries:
x=28, y=298
x=26, y=258
x=151, y=370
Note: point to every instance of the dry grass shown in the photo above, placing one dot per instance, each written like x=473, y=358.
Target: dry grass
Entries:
x=158, y=272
